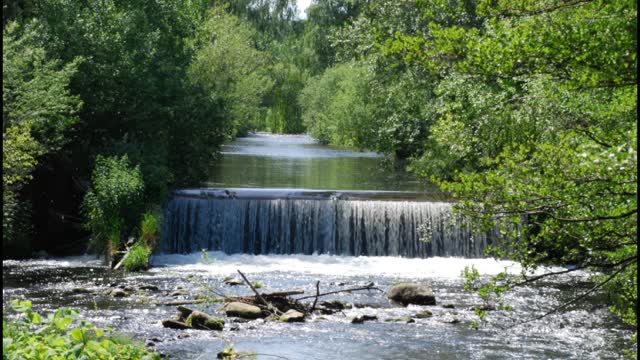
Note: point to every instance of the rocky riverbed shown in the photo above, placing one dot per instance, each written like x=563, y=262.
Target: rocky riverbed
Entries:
x=363, y=324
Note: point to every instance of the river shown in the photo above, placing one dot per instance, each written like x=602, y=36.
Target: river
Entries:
x=356, y=192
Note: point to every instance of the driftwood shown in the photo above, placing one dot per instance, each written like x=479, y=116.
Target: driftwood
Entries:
x=313, y=307
x=126, y=255
x=183, y=302
x=280, y=302
x=269, y=306
x=369, y=286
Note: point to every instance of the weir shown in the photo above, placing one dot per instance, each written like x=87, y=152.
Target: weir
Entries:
x=287, y=221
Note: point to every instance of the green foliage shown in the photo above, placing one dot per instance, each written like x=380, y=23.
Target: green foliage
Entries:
x=138, y=258
x=228, y=65
x=37, y=110
x=150, y=227
x=62, y=335
x=335, y=105
x=114, y=202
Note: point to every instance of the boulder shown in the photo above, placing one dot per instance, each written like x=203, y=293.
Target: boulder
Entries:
x=409, y=293
x=202, y=321
x=243, y=310
x=362, y=318
x=292, y=316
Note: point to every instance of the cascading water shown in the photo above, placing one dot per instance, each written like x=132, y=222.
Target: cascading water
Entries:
x=277, y=221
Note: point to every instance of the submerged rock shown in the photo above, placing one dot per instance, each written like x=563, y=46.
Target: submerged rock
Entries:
x=174, y=324
x=403, y=319
x=449, y=306
x=424, y=314
x=242, y=310
x=81, y=291
x=149, y=287
x=232, y=281
x=118, y=293
x=409, y=293
x=292, y=316
x=179, y=292
x=335, y=305
x=362, y=318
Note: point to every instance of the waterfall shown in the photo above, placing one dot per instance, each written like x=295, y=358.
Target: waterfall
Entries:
x=270, y=221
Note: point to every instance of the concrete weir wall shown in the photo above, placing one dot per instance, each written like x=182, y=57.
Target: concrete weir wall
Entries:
x=282, y=221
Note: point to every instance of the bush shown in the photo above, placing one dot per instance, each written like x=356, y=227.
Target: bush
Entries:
x=138, y=258
x=112, y=205
x=63, y=336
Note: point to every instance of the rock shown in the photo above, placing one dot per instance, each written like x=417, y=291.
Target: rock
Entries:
x=240, y=320
x=449, y=306
x=183, y=335
x=361, y=305
x=485, y=307
x=150, y=344
x=335, y=305
x=404, y=319
x=179, y=292
x=184, y=312
x=149, y=287
x=243, y=310
x=408, y=293
x=424, y=314
x=362, y=318
x=202, y=321
x=450, y=319
x=118, y=293
x=81, y=291
x=129, y=288
x=232, y=281
x=174, y=324
x=292, y=316
x=272, y=317
x=155, y=339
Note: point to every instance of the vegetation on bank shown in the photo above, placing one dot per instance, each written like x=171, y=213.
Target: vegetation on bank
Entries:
x=526, y=112
x=62, y=335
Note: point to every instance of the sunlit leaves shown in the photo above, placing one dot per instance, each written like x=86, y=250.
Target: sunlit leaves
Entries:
x=62, y=336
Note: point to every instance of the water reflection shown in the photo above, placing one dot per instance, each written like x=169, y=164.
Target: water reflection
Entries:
x=277, y=161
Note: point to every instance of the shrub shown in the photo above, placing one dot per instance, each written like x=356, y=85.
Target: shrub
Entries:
x=138, y=258
x=63, y=336
x=113, y=203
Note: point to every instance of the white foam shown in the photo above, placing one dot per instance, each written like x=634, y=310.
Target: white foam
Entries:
x=436, y=267
x=65, y=261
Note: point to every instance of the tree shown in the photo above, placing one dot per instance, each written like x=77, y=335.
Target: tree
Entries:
x=37, y=111
x=538, y=107
x=231, y=68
